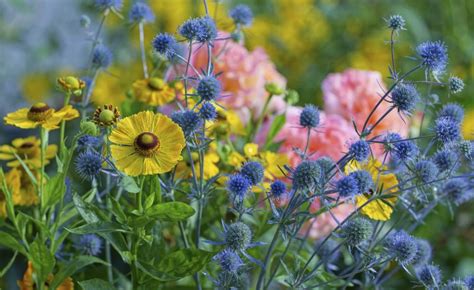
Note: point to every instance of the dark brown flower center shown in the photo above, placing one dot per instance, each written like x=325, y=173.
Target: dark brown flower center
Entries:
x=147, y=143
x=39, y=112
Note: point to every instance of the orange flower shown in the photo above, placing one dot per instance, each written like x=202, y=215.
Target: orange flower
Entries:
x=28, y=283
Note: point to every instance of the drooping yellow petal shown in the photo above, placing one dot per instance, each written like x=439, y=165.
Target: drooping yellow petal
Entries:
x=6, y=152
x=124, y=133
x=20, y=119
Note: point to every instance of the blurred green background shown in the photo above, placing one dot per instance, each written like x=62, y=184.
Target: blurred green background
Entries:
x=307, y=39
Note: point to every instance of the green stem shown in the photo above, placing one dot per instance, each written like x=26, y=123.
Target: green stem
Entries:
x=142, y=49
x=260, y=118
x=63, y=128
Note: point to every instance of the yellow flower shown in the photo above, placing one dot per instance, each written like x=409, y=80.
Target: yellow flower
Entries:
x=28, y=149
x=146, y=143
x=71, y=84
x=377, y=209
x=236, y=159
x=273, y=164
x=40, y=114
x=210, y=167
x=153, y=91
x=106, y=115
x=250, y=150
x=21, y=188
x=12, y=180
x=468, y=125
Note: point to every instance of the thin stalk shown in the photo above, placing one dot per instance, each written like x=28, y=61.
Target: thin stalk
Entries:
x=260, y=118
x=142, y=49
x=63, y=128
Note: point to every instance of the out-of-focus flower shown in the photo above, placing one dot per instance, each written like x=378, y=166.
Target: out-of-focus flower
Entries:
x=377, y=209
x=353, y=94
x=141, y=12
x=12, y=180
x=71, y=84
x=28, y=283
x=28, y=149
x=153, y=91
x=35, y=86
x=101, y=57
x=40, y=114
x=146, y=143
x=468, y=125
x=329, y=140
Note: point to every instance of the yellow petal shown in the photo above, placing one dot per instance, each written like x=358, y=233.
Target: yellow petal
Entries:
x=6, y=152
x=20, y=119
x=124, y=133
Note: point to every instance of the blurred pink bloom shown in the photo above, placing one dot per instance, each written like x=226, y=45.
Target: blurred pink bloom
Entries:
x=353, y=93
x=243, y=77
x=330, y=139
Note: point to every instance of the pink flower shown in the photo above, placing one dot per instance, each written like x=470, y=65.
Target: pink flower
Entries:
x=354, y=93
x=330, y=139
x=243, y=75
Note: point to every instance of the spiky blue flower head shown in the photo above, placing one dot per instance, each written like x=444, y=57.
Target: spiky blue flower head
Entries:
x=238, y=185
x=405, y=97
x=360, y=150
x=277, y=188
x=402, y=246
x=209, y=88
x=242, y=15
x=347, y=186
x=433, y=55
x=429, y=276
x=426, y=170
x=396, y=22
x=309, y=117
x=306, y=175
x=88, y=164
x=455, y=284
x=190, y=28
x=357, y=230
x=108, y=4
x=445, y=160
x=447, y=130
x=405, y=150
x=253, y=170
x=87, y=142
x=89, y=244
x=423, y=252
x=390, y=140
x=141, y=12
x=363, y=179
x=469, y=280
x=208, y=111
x=165, y=44
x=455, y=189
x=456, y=85
x=101, y=57
x=229, y=260
x=452, y=111
x=189, y=121
x=326, y=164
x=199, y=29
x=466, y=148
x=238, y=236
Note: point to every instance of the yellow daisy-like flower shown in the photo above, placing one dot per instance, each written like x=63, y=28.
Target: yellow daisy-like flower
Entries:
x=40, y=114
x=377, y=209
x=273, y=164
x=12, y=180
x=250, y=150
x=236, y=159
x=29, y=150
x=153, y=91
x=146, y=143
x=27, y=195
x=71, y=84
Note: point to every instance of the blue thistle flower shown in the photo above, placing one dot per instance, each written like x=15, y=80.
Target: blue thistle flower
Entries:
x=238, y=185
x=88, y=164
x=89, y=244
x=390, y=140
x=165, y=44
x=253, y=171
x=238, y=236
x=402, y=246
x=452, y=111
x=426, y=171
x=357, y=230
x=445, y=160
x=109, y=4
x=469, y=282
x=199, y=29
x=455, y=284
x=208, y=112
x=363, y=179
x=455, y=190
x=326, y=164
x=429, y=276
x=189, y=121
x=141, y=12
x=347, y=186
x=309, y=117
x=396, y=22
x=190, y=29
x=433, y=55
x=242, y=15
x=278, y=188
x=456, y=85
x=405, y=97
x=447, y=130
x=101, y=57
x=360, y=150
x=423, y=253
x=405, y=150
x=306, y=175
x=209, y=88
x=87, y=141
x=229, y=260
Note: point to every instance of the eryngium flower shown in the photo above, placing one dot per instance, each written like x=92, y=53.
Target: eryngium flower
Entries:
x=456, y=85
x=208, y=112
x=347, y=186
x=238, y=185
x=360, y=150
x=189, y=121
x=433, y=55
x=199, y=29
x=238, y=236
x=447, y=130
x=108, y=4
x=357, y=230
x=242, y=15
x=89, y=244
x=141, y=12
x=87, y=142
x=452, y=111
x=429, y=276
x=405, y=97
x=455, y=190
x=423, y=252
x=229, y=260
x=363, y=179
x=445, y=160
x=455, y=284
x=101, y=57
x=165, y=44
x=396, y=22
x=309, y=117
x=209, y=88
x=306, y=175
x=253, y=170
x=88, y=164
x=277, y=188
x=426, y=171
x=402, y=246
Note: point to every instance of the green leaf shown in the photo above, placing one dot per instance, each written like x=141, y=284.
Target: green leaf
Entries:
x=170, y=211
x=151, y=186
x=72, y=267
x=118, y=211
x=87, y=214
x=98, y=228
x=42, y=259
x=96, y=284
x=53, y=191
x=8, y=265
x=10, y=242
x=184, y=262
x=275, y=127
x=129, y=184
